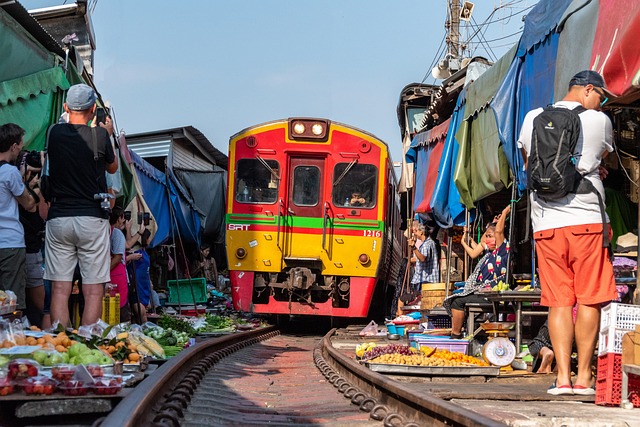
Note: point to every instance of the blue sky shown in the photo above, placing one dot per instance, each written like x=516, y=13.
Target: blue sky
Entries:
x=222, y=66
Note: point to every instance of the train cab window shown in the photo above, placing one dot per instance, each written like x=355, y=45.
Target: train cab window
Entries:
x=355, y=185
x=306, y=185
x=256, y=183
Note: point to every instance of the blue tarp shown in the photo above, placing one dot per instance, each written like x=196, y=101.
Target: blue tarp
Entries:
x=529, y=83
x=156, y=189
x=541, y=21
x=446, y=206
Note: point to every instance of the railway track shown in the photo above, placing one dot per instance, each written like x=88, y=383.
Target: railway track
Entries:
x=265, y=377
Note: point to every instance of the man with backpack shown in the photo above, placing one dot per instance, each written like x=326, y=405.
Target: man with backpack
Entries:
x=563, y=146
x=78, y=226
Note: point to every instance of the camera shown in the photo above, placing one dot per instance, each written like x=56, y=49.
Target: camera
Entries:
x=33, y=159
x=104, y=201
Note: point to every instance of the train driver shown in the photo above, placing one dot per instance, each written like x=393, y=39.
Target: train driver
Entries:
x=357, y=199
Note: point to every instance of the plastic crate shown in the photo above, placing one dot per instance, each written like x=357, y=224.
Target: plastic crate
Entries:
x=609, y=382
x=439, y=322
x=180, y=291
x=620, y=316
x=442, y=343
x=615, y=321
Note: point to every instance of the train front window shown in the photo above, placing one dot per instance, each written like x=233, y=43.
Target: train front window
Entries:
x=358, y=186
x=306, y=185
x=255, y=183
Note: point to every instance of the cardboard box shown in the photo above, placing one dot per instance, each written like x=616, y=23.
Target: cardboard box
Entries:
x=631, y=348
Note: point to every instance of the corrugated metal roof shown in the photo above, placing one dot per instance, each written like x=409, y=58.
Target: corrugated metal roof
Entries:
x=157, y=140
x=29, y=23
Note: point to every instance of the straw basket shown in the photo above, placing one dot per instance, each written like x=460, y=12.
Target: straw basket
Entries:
x=432, y=295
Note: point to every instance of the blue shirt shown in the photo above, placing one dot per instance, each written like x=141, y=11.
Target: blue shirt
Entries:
x=11, y=186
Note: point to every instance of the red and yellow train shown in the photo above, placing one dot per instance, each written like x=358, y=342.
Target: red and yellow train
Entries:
x=312, y=220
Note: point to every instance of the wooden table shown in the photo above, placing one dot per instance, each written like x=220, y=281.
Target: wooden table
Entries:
x=515, y=299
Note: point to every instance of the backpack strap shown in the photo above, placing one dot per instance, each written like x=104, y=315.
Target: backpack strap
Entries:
x=3, y=162
x=94, y=142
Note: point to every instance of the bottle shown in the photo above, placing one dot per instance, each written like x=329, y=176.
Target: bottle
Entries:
x=346, y=201
x=245, y=194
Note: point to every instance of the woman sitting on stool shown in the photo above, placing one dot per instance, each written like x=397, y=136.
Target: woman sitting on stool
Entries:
x=491, y=269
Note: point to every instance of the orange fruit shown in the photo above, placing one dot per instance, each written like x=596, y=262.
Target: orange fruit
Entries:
x=61, y=348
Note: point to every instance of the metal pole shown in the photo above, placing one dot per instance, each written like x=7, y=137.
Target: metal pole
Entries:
x=454, y=28
x=507, y=277
x=447, y=282
x=467, y=260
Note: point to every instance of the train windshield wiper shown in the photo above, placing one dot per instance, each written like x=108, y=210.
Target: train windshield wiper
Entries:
x=266, y=165
x=346, y=170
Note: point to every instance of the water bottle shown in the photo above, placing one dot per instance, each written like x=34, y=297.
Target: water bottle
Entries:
x=245, y=194
x=346, y=201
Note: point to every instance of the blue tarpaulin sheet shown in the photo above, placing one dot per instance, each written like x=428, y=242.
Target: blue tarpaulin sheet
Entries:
x=446, y=206
x=541, y=21
x=154, y=187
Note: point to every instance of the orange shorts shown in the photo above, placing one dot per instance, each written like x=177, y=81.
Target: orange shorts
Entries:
x=574, y=267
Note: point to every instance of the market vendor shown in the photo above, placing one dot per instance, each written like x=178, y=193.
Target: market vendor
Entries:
x=490, y=270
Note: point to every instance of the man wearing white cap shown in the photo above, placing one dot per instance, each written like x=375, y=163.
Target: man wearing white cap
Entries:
x=77, y=227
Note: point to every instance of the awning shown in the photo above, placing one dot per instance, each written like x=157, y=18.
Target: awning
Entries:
x=577, y=28
x=541, y=21
x=481, y=92
x=446, y=207
x=616, y=51
x=181, y=217
x=32, y=102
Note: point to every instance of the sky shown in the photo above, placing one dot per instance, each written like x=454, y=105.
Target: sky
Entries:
x=223, y=66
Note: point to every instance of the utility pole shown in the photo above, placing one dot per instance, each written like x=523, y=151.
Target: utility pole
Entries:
x=453, y=27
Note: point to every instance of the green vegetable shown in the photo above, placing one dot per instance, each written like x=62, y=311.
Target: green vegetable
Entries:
x=169, y=322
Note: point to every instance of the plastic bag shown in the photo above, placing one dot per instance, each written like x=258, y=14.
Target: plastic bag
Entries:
x=370, y=330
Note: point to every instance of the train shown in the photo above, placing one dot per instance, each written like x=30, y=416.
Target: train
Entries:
x=312, y=221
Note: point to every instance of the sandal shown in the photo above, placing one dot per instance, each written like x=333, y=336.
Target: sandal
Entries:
x=583, y=390
x=557, y=390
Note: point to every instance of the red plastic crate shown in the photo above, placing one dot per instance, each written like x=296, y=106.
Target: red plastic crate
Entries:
x=609, y=382
x=610, y=365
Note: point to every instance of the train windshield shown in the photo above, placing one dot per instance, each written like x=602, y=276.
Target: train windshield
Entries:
x=255, y=183
x=358, y=187
x=306, y=185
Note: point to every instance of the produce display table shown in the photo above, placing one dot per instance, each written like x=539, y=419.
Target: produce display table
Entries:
x=515, y=299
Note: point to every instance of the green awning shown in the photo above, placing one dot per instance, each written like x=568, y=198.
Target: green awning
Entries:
x=481, y=92
x=482, y=168
x=33, y=102
x=21, y=54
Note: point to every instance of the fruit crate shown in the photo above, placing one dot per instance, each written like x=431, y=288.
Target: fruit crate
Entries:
x=180, y=291
x=453, y=345
x=609, y=382
x=615, y=321
x=439, y=322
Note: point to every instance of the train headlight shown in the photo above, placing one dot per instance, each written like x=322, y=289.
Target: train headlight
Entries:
x=364, y=259
x=317, y=129
x=299, y=128
x=302, y=129
x=241, y=253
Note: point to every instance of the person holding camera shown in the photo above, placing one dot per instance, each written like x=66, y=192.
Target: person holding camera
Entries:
x=13, y=192
x=78, y=226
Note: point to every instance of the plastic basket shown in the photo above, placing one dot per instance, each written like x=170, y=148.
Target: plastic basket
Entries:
x=615, y=321
x=439, y=322
x=620, y=316
x=442, y=344
x=609, y=382
x=180, y=291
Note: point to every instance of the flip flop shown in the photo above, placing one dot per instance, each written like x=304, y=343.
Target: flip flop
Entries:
x=557, y=390
x=584, y=391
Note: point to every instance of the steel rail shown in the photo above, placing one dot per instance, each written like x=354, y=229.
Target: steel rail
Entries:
x=140, y=406
x=390, y=400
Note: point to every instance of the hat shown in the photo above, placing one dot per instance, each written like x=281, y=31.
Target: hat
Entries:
x=80, y=97
x=589, y=77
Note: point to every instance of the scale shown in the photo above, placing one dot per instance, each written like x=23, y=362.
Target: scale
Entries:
x=499, y=350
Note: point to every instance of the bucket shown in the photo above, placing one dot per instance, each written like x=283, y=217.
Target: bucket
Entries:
x=432, y=295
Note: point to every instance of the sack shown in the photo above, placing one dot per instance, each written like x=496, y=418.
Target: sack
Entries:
x=551, y=168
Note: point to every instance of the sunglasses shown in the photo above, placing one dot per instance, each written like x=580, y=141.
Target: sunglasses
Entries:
x=603, y=97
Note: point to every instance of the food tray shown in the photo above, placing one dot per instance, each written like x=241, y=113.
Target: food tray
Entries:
x=434, y=371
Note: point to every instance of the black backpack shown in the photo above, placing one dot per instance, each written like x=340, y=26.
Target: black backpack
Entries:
x=551, y=168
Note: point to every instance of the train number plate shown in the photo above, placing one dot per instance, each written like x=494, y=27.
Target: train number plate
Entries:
x=372, y=233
